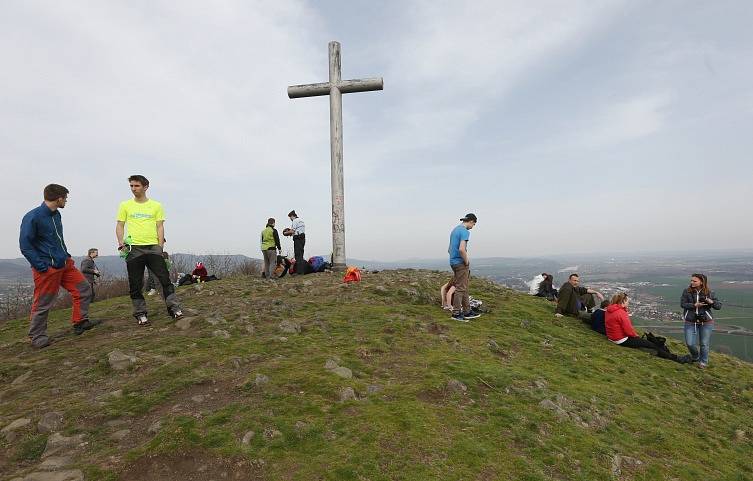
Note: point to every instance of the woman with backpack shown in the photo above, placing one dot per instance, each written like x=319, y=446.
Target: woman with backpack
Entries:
x=697, y=301
x=620, y=330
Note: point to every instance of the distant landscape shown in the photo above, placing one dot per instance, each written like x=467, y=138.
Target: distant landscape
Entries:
x=655, y=281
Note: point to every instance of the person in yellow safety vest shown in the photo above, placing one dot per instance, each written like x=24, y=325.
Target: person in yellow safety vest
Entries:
x=270, y=245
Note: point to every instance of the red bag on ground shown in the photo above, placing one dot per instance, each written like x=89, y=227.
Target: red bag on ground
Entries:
x=352, y=274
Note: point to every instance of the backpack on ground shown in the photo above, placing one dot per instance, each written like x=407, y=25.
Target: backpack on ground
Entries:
x=352, y=274
x=317, y=263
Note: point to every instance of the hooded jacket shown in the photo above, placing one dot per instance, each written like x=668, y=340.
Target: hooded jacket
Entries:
x=41, y=239
x=618, y=323
x=691, y=313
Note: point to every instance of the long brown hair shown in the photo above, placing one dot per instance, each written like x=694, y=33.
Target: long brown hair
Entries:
x=704, y=289
x=619, y=298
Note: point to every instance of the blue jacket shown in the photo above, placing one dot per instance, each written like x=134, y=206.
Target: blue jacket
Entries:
x=41, y=239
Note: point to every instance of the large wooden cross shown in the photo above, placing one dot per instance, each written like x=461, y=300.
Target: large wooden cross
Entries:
x=335, y=88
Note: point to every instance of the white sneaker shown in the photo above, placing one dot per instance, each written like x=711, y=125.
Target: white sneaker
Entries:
x=177, y=314
x=151, y=292
x=142, y=320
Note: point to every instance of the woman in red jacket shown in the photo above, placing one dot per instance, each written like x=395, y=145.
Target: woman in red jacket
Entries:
x=619, y=328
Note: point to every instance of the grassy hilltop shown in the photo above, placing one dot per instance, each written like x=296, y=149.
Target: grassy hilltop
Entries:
x=308, y=379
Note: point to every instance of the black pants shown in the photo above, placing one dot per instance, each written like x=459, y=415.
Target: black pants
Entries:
x=638, y=343
x=93, y=292
x=299, y=242
x=646, y=345
x=156, y=264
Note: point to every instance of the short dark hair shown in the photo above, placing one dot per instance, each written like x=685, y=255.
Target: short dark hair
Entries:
x=271, y=221
x=140, y=179
x=573, y=275
x=93, y=249
x=54, y=192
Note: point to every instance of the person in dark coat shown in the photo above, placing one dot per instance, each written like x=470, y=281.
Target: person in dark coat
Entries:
x=90, y=270
x=546, y=288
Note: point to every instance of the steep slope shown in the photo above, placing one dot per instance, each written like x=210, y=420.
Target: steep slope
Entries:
x=308, y=378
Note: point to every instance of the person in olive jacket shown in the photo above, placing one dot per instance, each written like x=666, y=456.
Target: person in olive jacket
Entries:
x=573, y=299
x=697, y=301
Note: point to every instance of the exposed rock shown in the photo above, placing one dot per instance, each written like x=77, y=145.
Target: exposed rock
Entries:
x=347, y=394
x=540, y=383
x=261, y=380
x=17, y=424
x=619, y=461
x=330, y=364
x=308, y=283
x=53, y=463
x=120, y=435
x=453, y=385
x=57, y=443
x=373, y=389
x=21, y=379
x=113, y=423
x=120, y=361
x=189, y=311
x=381, y=289
x=493, y=346
x=343, y=372
x=740, y=435
x=300, y=426
x=69, y=475
x=198, y=399
x=221, y=333
x=250, y=329
x=289, y=327
x=50, y=422
x=184, y=323
x=155, y=427
x=271, y=433
x=248, y=437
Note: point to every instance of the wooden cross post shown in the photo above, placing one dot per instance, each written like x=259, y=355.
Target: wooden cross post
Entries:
x=335, y=88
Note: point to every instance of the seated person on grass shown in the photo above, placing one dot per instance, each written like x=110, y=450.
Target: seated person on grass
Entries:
x=546, y=288
x=445, y=293
x=573, y=299
x=620, y=331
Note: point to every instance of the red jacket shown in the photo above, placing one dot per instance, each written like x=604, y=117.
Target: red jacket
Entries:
x=618, y=323
x=201, y=272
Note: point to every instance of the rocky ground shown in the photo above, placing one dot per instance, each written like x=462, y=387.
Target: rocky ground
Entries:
x=310, y=378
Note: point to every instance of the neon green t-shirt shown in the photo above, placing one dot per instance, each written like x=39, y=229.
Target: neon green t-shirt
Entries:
x=141, y=220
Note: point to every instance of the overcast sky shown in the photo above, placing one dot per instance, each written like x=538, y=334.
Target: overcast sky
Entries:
x=574, y=126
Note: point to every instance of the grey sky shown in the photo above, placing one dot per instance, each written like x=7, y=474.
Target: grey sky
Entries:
x=565, y=127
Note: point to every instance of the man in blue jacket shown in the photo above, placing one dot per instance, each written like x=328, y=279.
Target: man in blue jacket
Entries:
x=42, y=244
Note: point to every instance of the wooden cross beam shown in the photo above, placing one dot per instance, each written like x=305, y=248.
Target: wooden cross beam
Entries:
x=335, y=88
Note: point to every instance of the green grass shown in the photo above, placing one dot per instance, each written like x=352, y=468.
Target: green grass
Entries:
x=616, y=401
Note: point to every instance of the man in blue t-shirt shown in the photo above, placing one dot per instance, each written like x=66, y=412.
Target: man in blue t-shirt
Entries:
x=460, y=264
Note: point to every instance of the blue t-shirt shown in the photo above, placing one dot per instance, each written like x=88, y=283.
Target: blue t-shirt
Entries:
x=458, y=235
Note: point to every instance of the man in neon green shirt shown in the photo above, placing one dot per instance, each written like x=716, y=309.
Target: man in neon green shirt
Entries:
x=145, y=221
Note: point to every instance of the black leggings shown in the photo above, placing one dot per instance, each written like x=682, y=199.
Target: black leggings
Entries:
x=638, y=343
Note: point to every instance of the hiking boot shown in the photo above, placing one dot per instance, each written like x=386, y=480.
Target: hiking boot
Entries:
x=151, y=292
x=42, y=344
x=685, y=359
x=471, y=315
x=84, y=325
x=702, y=365
x=459, y=317
x=142, y=320
x=177, y=314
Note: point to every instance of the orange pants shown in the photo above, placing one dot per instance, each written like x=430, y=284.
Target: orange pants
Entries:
x=46, y=287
